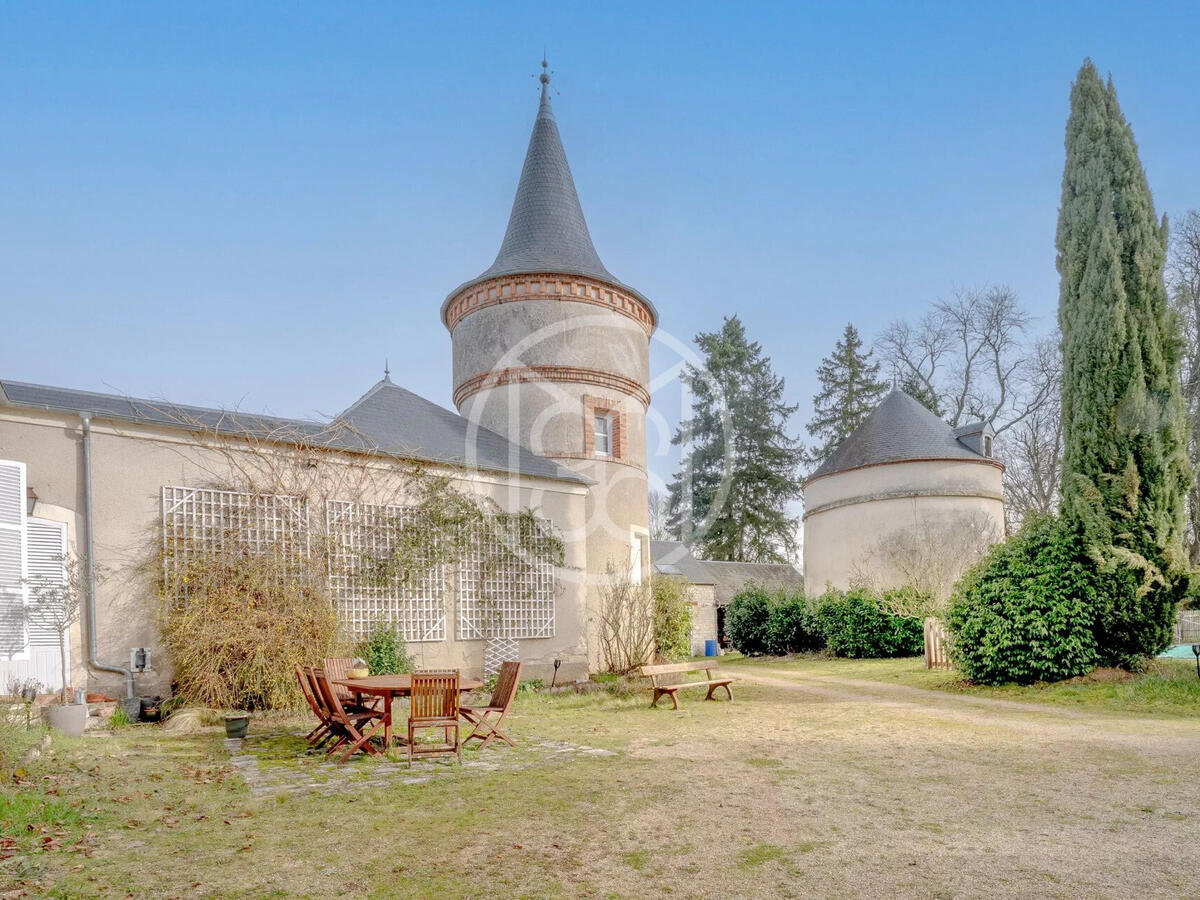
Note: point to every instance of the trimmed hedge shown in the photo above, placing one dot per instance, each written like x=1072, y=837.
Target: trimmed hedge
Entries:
x=792, y=627
x=759, y=621
x=857, y=626
x=1024, y=613
x=746, y=619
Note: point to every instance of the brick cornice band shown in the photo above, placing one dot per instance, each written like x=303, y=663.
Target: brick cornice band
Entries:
x=558, y=374
x=572, y=288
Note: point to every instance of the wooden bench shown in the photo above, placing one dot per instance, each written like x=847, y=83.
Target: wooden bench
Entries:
x=658, y=678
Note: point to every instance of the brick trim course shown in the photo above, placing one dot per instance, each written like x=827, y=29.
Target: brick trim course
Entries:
x=558, y=374
x=573, y=288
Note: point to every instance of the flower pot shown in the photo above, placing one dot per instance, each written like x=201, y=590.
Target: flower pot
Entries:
x=235, y=725
x=69, y=718
x=132, y=707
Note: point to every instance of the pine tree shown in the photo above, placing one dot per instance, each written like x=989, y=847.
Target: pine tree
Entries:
x=850, y=390
x=740, y=468
x=1124, y=437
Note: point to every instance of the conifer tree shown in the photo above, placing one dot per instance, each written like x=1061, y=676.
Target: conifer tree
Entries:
x=850, y=390
x=1125, y=468
x=740, y=469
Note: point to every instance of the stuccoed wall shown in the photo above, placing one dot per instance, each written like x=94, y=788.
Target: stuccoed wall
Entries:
x=130, y=465
x=848, y=512
x=523, y=368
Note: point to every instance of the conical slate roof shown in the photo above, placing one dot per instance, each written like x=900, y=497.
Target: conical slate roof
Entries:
x=898, y=429
x=546, y=228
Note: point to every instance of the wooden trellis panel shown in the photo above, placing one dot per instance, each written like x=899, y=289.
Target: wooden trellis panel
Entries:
x=361, y=539
x=200, y=522
x=507, y=584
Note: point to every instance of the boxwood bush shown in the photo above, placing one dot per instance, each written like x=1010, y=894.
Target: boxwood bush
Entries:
x=792, y=627
x=1024, y=612
x=746, y=618
x=856, y=625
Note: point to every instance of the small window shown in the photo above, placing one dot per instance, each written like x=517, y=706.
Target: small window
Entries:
x=603, y=428
x=987, y=446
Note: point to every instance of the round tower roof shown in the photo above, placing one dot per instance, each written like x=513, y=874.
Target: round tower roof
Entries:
x=546, y=228
x=899, y=429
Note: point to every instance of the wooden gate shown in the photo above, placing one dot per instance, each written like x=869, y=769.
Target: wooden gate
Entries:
x=937, y=645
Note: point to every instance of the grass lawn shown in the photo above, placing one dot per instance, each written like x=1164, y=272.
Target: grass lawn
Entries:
x=1168, y=687
x=818, y=780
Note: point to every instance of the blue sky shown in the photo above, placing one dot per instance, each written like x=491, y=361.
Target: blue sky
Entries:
x=256, y=204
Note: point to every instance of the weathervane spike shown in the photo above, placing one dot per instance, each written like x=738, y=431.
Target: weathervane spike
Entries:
x=387, y=372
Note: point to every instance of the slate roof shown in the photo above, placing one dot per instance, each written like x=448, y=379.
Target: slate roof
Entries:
x=546, y=228
x=387, y=419
x=900, y=428
x=727, y=578
x=674, y=558
x=731, y=577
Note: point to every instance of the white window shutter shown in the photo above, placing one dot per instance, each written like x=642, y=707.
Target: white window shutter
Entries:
x=14, y=567
x=46, y=556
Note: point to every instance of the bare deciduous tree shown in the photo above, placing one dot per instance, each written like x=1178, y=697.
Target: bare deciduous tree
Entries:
x=54, y=604
x=975, y=356
x=659, y=513
x=1183, y=283
x=626, y=620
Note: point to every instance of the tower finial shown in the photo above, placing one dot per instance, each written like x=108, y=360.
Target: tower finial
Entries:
x=544, y=78
x=387, y=372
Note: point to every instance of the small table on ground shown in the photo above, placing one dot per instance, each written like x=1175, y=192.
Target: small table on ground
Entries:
x=389, y=687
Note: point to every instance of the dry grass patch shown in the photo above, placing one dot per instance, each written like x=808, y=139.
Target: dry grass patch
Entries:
x=790, y=791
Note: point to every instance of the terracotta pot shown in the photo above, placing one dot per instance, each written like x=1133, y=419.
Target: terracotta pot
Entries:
x=69, y=718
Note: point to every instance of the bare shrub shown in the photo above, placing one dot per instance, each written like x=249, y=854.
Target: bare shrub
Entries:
x=626, y=631
x=242, y=624
x=927, y=558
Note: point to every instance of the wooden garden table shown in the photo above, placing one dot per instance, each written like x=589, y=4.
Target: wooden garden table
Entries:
x=389, y=687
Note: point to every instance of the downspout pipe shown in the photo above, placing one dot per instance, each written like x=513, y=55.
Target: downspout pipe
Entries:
x=85, y=420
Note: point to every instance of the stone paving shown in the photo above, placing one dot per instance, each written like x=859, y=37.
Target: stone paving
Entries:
x=278, y=763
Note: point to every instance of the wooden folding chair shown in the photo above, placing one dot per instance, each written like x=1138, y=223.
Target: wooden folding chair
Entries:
x=321, y=733
x=346, y=726
x=434, y=705
x=336, y=668
x=487, y=719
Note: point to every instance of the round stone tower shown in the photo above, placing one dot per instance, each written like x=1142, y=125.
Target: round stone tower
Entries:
x=552, y=351
x=905, y=498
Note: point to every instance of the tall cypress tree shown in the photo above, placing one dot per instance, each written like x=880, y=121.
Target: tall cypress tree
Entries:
x=850, y=390
x=740, y=468
x=1125, y=468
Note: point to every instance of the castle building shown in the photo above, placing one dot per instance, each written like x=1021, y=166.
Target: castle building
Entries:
x=551, y=381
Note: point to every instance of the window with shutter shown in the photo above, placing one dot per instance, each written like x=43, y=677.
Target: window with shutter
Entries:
x=46, y=555
x=13, y=564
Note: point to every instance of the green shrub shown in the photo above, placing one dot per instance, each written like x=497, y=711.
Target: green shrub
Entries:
x=792, y=626
x=672, y=618
x=746, y=619
x=384, y=651
x=856, y=625
x=1024, y=613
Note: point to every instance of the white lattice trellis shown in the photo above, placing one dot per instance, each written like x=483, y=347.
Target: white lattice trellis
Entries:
x=506, y=584
x=497, y=651
x=362, y=538
x=201, y=522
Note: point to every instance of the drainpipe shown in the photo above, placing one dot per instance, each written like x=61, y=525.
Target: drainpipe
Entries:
x=85, y=420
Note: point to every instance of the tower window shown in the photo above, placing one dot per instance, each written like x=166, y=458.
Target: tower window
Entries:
x=987, y=446
x=603, y=431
